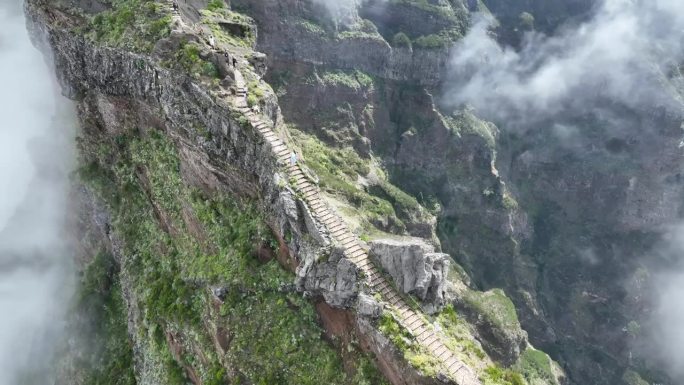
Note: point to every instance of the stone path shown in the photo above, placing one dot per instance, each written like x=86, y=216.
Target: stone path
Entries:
x=353, y=250
x=175, y=15
x=408, y=318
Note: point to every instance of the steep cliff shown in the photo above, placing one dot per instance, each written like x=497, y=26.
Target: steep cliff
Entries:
x=213, y=260
x=559, y=219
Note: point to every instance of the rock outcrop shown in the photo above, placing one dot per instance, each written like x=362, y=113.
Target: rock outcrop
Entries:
x=415, y=268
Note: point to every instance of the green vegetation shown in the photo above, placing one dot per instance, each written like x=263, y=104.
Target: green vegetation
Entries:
x=495, y=306
x=311, y=27
x=445, y=12
x=401, y=40
x=413, y=352
x=464, y=122
x=526, y=21
x=215, y=5
x=188, y=58
x=495, y=375
x=535, y=364
x=364, y=29
x=133, y=24
x=633, y=329
x=633, y=378
x=508, y=202
x=355, y=80
x=338, y=170
x=405, y=204
x=213, y=15
x=254, y=89
x=432, y=41
x=459, y=336
x=102, y=304
x=179, y=241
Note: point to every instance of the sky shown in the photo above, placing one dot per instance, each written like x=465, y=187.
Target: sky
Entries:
x=36, y=133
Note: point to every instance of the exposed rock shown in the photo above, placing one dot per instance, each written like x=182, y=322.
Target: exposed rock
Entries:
x=367, y=306
x=283, y=37
x=335, y=279
x=415, y=268
x=219, y=292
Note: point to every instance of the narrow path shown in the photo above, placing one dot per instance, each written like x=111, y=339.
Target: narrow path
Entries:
x=415, y=323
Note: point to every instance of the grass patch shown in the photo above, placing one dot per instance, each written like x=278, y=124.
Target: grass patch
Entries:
x=188, y=58
x=495, y=375
x=495, y=306
x=414, y=353
x=401, y=40
x=310, y=27
x=133, y=24
x=536, y=365
x=432, y=41
x=212, y=16
x=355, y=80
x=464, y=122
x=338, y=170
x=216, y=5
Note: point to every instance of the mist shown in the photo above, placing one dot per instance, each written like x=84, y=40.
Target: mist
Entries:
x=344, y=12
x=665, y=335
x=625, y=53
x=36, y=135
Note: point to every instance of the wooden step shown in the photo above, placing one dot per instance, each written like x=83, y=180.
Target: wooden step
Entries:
x=424, y=335
x=336, y=227
x=414, y=323
x=354, y=248
x=359, y=253
x=455, y=366
x=434, y=344
x=439, y=350
x=446, y=354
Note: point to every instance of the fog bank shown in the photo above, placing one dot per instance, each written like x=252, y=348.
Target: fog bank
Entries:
x=35, y=158
x=624, y=53
x=627, y=57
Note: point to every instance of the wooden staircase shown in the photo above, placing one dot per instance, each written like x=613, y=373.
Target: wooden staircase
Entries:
x=353, y=250
x=414, y=322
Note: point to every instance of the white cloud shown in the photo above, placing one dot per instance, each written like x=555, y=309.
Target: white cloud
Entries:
x=607, y=56
x=627, y=54
x=34, y=159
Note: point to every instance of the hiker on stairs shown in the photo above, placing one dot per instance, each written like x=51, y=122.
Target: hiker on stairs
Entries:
x=212, y=42
x=175, y=6
x=293, y=158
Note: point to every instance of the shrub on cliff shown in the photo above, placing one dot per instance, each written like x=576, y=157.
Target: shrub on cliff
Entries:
x=134, y=24
x=401, y=40
x=432, y=42
x=215, y=5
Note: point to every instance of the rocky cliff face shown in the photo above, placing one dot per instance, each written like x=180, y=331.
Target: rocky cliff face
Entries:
x=189, y=209
x=553, y=221
x=361, y=105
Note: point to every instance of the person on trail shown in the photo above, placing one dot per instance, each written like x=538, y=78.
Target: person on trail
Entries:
x=212, y=43
x=235, y=62
x=293, y=158
x=175, y=6
x=227, y=56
